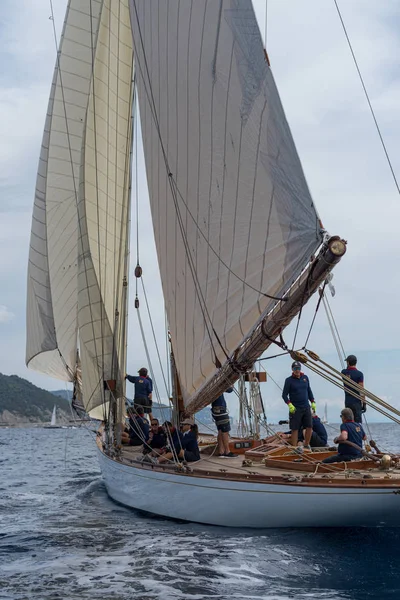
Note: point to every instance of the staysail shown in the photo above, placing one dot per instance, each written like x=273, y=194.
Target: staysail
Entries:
x=52, y=310
x=233, y=217
x=104, y=205
x=78, y=258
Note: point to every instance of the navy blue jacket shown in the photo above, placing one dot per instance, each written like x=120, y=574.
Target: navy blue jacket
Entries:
x=159, y=439
x=189, y=443
x=139, y=430
x=319, y=429
x=175, y=440
x=297, y=391
x=355, y=434
x=356, y=376
x=143, y=386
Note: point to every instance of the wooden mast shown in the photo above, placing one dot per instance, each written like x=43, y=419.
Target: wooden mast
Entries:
x=270, y=326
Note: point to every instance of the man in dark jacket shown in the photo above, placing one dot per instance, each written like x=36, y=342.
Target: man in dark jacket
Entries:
x=190, y=447
x=353, y=399
x=138, y=427
x=157, y=439
x=174, y=443
x=349, y=432
x=297, y=394
x=143, y=390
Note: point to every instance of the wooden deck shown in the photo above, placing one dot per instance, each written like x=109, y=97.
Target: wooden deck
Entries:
x=280, y=465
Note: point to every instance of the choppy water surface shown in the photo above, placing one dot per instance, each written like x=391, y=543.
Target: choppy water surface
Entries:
x=62, y=537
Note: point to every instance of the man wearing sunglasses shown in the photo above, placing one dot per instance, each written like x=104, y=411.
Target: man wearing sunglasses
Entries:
x=349, y=432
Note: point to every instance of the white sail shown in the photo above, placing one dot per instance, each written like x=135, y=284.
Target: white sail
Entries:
x=231, y=209
x=53, y=256
x=79, y=243
x=104, y=206
x=53, y=421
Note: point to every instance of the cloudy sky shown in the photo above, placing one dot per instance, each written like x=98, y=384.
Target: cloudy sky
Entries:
x=337, y=141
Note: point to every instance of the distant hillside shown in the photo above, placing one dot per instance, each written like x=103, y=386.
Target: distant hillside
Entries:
x=22, y=402
x=66, y=394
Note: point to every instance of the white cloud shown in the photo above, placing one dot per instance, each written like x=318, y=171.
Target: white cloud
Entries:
x=5, y=314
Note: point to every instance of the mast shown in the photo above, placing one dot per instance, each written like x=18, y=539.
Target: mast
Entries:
x=270, y=326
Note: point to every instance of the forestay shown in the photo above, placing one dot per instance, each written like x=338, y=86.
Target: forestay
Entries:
x=232, y=212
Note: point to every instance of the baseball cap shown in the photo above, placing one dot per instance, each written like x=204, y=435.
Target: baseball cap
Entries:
x=187, y=422
x=296, y=366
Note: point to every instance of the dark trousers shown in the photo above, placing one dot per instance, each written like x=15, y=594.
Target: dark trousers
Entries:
x=316, y=441
x=356, y=408
x=341, y=458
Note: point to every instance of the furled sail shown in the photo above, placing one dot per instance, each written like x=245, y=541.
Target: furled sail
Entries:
x=52, y=313
x=79, y=245
x=232, y=213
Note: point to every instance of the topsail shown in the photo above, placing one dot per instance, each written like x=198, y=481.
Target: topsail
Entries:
x=232, y=213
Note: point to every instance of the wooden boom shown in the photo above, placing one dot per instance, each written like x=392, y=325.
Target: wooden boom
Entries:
x=270, y=325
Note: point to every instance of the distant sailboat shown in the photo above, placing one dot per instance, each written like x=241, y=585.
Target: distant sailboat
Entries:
x=325, y=418
x=53, y=422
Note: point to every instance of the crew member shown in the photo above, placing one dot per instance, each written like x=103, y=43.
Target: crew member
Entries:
x=319, y=436
x=220, y=415
x=138, y=431
x=143, y=391
x=157, y=439
x=353, y=398
x=349, y=432
x=297, y=394
x=190, y=447
x=174, y=442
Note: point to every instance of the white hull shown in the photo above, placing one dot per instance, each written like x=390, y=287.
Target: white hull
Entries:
x=247, y=504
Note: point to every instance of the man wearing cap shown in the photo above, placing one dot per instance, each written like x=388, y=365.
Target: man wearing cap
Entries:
x=353, y=398
x=297, y=394
x=143, y=391
x=349, y=432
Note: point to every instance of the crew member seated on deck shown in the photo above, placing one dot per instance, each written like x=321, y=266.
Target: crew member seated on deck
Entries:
x=143, y=390
x=190, y=447
x=157, y=439
x=174, y=443
x=138, y=427
x=352, y=398
x=220, y=415
x=319, y=436
x=349, y=432
x=297, y=394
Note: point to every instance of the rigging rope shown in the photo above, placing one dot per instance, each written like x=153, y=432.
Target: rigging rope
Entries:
x=335, y=326
x=155, y=338
x=367, y=97
x=335, y=340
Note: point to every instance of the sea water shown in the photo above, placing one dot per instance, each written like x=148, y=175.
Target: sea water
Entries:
x=61, y=537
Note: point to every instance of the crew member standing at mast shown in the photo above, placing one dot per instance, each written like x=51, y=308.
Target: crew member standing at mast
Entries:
x=353, y=398
x=220, y=415
x=143, y=391
x=297, y=394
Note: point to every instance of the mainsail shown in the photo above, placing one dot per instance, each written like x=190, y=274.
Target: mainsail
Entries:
x=233, y=218
x=78, y=255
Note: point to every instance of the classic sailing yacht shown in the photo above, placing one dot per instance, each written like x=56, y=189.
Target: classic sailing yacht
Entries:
x=240, y=246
